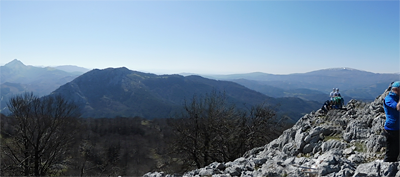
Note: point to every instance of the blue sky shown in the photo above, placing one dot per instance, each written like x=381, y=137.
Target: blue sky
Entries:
x=204, y=37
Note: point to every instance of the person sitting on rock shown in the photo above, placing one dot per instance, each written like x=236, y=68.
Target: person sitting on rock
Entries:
x=331, y=95
x=337, y=102
x=337, y=92
x=327, y=106
x=392, y=125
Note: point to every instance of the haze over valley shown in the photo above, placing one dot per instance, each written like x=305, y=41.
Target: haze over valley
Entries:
x=131, y=123
x=196, y=88
x=122, y=92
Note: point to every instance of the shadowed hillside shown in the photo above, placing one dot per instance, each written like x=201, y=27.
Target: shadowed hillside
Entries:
x=121, y=92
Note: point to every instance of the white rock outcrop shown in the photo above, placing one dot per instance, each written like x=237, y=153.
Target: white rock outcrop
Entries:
x=346, y=143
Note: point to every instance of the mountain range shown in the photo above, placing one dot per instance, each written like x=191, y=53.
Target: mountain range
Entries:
x=17, y=78
x=121, y=92
x=316, y=85
x=41, y=80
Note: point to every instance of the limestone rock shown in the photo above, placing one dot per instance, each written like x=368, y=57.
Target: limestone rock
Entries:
x=340, y=143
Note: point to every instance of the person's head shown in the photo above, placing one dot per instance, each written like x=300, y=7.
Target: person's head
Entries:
x=334, y=89
x=396, y=87
x=337, y=89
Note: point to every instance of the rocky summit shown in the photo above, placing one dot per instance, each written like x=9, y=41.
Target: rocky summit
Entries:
x=339, y=143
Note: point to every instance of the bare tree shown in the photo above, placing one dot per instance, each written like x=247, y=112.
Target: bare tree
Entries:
x=197, y=130
x=211, y=130
x=42, y=131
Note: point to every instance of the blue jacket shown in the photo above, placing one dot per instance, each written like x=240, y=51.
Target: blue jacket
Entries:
x=392, y=115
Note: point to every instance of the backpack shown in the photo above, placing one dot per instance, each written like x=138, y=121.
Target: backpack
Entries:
x=337, y=100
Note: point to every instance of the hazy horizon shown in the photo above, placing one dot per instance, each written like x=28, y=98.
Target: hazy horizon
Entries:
x=160, y=72
x=204, y=37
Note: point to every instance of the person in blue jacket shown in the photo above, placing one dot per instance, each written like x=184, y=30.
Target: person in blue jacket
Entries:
x=392, y=125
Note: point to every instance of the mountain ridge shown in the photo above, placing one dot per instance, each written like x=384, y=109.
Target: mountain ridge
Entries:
x=353, y=83
x=15, y=64
x=72, y=69
x=123, y=92
x=312, y=86
x=17, y=78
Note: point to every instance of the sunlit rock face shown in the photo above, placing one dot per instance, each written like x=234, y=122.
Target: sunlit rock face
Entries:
x=346, y=142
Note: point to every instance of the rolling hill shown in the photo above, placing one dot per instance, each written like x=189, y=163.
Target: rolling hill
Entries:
x=121, y=92
x=353, y=83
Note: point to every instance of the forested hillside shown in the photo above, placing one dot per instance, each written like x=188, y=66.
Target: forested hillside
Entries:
x=60, y=143
x=121, y=92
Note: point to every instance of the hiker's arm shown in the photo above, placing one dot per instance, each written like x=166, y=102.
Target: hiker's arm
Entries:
x=393, y=104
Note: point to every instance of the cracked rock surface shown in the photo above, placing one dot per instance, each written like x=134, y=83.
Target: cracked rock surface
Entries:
x=338, y=143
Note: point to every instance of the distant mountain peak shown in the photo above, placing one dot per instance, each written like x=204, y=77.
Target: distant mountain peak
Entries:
x=72, y=68
x=343, y=68
x=337, y=71
x=15, y=64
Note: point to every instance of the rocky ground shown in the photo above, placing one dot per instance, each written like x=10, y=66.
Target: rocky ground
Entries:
x=348, y=142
